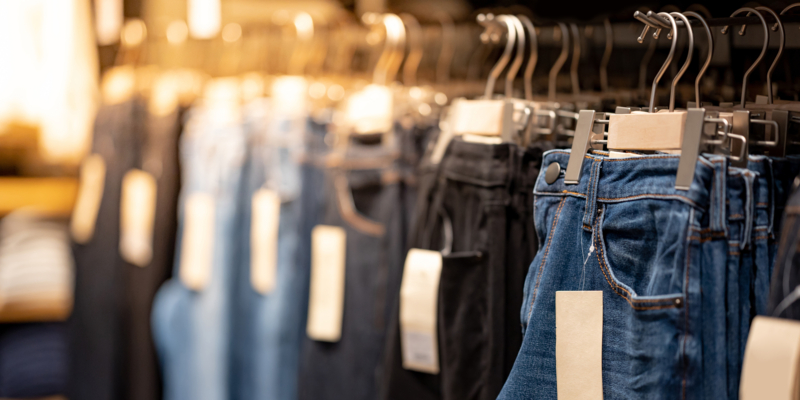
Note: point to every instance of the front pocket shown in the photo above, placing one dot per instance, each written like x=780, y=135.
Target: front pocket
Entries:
x=641, y=248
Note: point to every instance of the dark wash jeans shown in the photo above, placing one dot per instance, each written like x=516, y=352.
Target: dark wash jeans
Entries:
x=375, y=249
x=481, y=195
x=625, y=230
x=786, y=274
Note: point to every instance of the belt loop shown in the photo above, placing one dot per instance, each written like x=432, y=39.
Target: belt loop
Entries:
x=770, y=193
x=749, y=209
x=719, y=196
x=591, y=195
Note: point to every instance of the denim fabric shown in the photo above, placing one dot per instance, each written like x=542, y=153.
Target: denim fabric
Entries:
x=482, y=195
x=95, y=327
x=141, y=378
x=350, y=368
x=268, y=328
x=739, y=211
x=191, y=329
x=786, y=276
x=625, y=230
x=784, y=172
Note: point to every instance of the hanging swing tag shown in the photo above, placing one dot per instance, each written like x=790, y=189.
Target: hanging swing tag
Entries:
x=137, y=213
x=264, y=240
x=418, y=309
x=326, y=294
x=90, y=195
x=579, y=345
x=771, y=368
x=197, y=247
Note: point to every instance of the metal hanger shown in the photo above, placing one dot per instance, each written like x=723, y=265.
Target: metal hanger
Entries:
x=562, y=58
x=532, y=59
x=606, y=55
x=674, y=36
x=511, y=75
x=688, y=61
x=414, y=34
x=447, y=50
x=708, y=57
x=779, y=27
x=763, y=48
x=488, y=21
x=576, y=59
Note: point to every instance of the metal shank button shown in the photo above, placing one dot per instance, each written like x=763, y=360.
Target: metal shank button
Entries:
x=552, y=173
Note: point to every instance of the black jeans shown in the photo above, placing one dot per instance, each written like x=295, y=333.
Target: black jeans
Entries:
x=479, y=211
x=112, y=355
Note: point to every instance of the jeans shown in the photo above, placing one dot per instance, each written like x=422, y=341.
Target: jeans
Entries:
x=785, y=277
x=736, y=249
x=268, y=328
x=191, y=329
x=476, y=206
x=623, y=229
x=375, y=248
x=95, y=330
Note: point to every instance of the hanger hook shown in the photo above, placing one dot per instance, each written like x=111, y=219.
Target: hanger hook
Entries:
x=511, y=75
x=779, y=27
x=534, y=57
x=304, y=28
x=488, y=20
x=447, y=51
x=562, y=58
x=398, y=52
x=708, y=57
x=763, y=47
x=606, y=55
x=576, y=59
x=414, y=33
x=685, y=64
x=668, y=61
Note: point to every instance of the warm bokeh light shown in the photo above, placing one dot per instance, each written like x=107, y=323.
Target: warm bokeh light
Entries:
x=177, y=32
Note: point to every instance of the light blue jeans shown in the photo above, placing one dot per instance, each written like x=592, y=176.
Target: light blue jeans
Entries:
x=191, y=329
x=268, y=328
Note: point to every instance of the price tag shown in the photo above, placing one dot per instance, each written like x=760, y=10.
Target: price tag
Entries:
x=579, y=345
x=137, y=217
x=326, y=298
x=264, y=240
x=771, y=366
x=419, y=291
x=90, y=195
x=197, y=248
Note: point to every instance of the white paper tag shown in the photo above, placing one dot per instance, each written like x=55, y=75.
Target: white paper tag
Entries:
x=326, y=297
x=418, y=309
x=90, y=195
x=771, y=368
x=137, y=217
x=579, y=345
x=264, y=225
x=197, y=247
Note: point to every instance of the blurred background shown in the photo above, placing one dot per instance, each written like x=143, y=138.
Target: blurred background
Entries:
x=98, y=97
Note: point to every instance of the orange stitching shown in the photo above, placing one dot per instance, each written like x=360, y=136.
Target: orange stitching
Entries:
x=761, y=237
x=614, y=285
x=736, y=216
x=575, y=193
x=644, y=156
x=733, y=253
x=669, y=196
x=544, y=255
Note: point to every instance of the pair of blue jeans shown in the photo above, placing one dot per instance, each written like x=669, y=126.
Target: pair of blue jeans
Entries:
x=625, y=230
x=267, y=329
x=191, y=329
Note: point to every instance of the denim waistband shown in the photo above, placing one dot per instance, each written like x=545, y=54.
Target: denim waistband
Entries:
x=621, y=179
x=478, y=163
